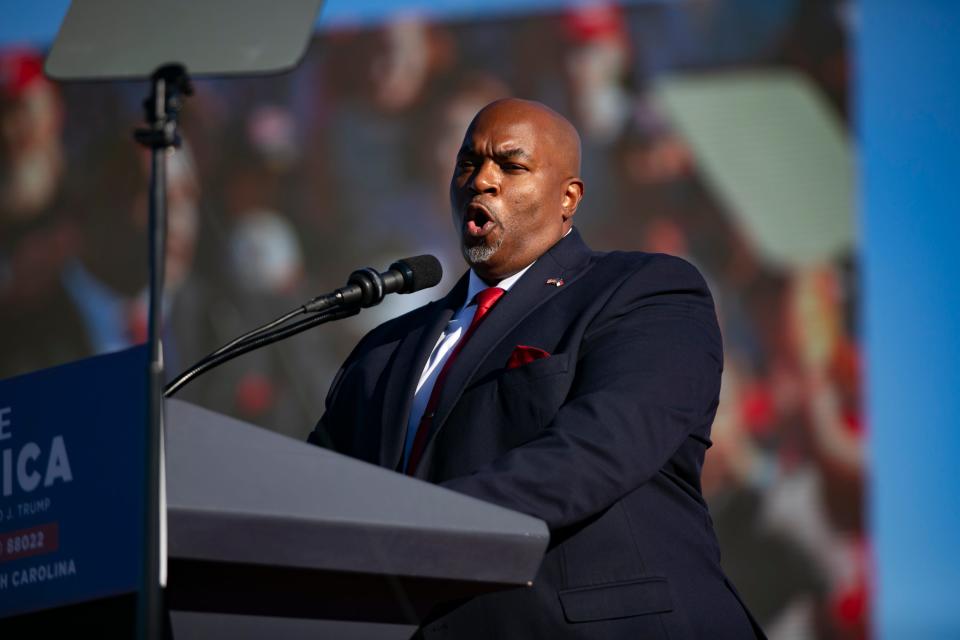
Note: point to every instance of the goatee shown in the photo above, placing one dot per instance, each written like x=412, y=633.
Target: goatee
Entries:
x=480, y=253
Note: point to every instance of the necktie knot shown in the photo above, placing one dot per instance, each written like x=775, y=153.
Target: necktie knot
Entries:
x=486, y=299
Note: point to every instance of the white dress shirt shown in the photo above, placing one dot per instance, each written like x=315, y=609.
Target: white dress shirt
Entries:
x=446, y=343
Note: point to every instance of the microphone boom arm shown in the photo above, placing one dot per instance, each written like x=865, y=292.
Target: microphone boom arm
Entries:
x=365, y=288
x=256, y=339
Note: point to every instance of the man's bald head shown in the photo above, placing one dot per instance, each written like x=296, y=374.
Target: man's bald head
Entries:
x=516, y=185
x=553, y=127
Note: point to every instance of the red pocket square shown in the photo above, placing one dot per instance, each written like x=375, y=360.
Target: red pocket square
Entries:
x=522, y=354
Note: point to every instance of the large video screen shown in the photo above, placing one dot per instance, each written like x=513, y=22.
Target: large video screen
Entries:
x=717, y=131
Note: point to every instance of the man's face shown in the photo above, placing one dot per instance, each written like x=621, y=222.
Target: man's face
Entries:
x=507, y=193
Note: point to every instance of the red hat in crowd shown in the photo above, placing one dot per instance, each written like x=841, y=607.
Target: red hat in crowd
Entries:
x=595, y=21
x=20, y=69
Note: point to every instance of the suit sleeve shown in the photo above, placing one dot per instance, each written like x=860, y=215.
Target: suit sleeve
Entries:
x=647, y=378
x=323, y=432
x=333, y=431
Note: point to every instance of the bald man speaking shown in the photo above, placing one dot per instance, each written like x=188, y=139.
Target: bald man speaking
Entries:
x=575, y=386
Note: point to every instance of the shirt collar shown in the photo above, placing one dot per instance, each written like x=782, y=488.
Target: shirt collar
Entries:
x=477, y=285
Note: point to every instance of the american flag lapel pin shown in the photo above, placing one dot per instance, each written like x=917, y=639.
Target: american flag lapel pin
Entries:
x=557, y=282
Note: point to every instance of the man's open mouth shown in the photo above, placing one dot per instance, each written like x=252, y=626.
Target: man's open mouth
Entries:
x=478, y=221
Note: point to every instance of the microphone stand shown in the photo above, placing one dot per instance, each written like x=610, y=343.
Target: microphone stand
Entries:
x=254, y=340
x=169, y=84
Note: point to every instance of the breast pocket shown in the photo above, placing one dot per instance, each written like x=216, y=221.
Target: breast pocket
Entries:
x=527, y=373
x=531, y=395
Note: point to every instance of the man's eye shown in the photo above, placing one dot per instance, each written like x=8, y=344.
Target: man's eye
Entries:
x=514, y=167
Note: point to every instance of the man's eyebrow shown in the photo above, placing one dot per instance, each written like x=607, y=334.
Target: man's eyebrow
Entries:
x=501, y=154
x=515, y=152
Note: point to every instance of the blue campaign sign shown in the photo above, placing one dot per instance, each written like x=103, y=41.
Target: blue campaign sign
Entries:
x=72, y=482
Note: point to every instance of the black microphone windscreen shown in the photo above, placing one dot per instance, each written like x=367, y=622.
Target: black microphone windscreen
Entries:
x=426, y=271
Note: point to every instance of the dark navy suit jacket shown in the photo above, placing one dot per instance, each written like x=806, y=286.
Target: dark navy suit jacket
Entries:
x=604, y=440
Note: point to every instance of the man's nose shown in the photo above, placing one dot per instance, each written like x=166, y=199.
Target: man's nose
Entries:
x=485, y=179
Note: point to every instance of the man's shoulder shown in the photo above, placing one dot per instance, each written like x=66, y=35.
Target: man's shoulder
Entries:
x=660, y=268
x=573, y=254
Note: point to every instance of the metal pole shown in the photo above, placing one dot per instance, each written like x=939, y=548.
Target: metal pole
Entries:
x=161, y=107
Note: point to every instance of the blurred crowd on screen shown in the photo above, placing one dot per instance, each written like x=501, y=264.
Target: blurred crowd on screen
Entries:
x=286, y=184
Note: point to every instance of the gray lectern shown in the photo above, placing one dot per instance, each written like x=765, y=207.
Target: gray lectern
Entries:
x=261, y=524
x=270, y=537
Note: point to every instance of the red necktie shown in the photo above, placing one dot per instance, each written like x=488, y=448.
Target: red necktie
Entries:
x=485, y=301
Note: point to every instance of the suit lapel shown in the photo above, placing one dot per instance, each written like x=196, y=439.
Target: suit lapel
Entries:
x=404, y=372
x=566, y=260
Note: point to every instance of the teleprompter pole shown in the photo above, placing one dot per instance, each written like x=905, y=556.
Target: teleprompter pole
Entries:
x=170, y=84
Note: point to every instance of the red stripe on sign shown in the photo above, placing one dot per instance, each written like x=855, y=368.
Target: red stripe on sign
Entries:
x=35, y=541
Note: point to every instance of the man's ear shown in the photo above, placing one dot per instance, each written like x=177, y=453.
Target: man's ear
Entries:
x=572, y=194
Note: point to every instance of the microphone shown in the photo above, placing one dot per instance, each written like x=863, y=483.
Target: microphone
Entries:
x=367, y=288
